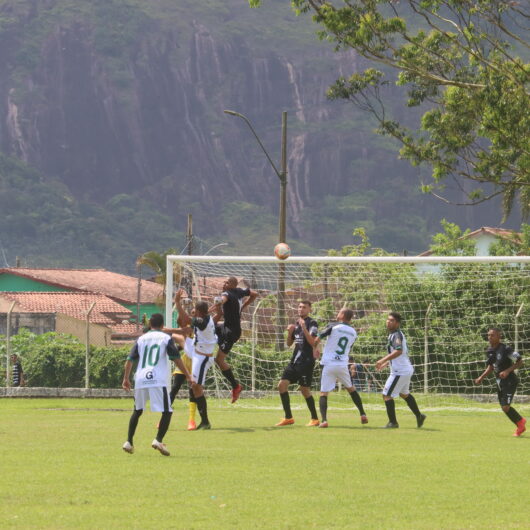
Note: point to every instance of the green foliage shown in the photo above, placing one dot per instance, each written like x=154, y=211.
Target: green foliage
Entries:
x=517, y=244
x=43, y=223
x=452, y=241
x=466, y=62
x=58, y=360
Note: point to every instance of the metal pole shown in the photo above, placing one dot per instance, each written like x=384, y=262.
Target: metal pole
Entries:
x=138, y=294
x=282, y=235
x=8, y=344
x=516, y=338
x=87, y=352
x=253, y=346
x=426, y=351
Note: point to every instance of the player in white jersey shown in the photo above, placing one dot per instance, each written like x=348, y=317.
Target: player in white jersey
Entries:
x=202, y=325
x=341, y=337
x=401, y=370
x=152, y=351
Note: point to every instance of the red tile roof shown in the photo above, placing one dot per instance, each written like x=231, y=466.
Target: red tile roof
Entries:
x=117, y=286
x=106, y=311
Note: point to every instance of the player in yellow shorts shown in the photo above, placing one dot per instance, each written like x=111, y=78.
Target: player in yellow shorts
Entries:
x=186, y=345
x=179, y=377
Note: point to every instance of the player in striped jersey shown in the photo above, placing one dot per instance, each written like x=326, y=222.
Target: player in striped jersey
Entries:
x=341, y=337
x=401, y=371
x=202, y=325
x=152, y=351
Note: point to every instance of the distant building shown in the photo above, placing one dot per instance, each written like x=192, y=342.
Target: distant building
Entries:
x=66, y=312
x=484, y=237
x=119, y=287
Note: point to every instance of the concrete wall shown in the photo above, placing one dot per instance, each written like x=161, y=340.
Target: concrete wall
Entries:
x=36, y=322
x=99, y=334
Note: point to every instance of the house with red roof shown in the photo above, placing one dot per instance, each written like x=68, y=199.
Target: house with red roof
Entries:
x=125, y=290
x=484, y=237
x=66, y=312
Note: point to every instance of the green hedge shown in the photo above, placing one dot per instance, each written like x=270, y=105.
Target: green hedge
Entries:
x=58, y=360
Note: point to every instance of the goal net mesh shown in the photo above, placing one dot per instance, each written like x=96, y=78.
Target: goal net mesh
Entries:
x=447, y=308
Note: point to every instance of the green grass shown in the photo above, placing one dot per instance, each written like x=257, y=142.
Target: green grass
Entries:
x=62, y=467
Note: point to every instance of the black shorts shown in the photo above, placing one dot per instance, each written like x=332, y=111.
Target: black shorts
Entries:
x=506, y=390
x=299, y=373
x=226, y=337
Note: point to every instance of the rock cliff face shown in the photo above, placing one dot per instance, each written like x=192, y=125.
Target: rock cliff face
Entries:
x=137, y=107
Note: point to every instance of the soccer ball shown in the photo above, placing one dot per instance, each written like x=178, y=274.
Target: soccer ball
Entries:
x=282, y=251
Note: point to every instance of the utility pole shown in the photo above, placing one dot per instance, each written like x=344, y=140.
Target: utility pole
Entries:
x=282, y=236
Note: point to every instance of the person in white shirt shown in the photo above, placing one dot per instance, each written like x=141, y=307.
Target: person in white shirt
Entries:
x=203, y=327
x=152, y=351
x=401, y=370
x=341, y=337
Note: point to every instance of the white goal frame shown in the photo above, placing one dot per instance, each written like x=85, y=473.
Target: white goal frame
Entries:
x=173, y=260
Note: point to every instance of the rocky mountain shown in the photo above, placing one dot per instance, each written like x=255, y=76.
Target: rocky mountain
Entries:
x=113, y=97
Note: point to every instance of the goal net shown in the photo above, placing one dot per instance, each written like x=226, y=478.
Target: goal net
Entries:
x=447, y=305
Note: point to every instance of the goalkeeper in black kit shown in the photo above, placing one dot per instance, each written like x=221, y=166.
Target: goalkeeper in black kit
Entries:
x=503, y=361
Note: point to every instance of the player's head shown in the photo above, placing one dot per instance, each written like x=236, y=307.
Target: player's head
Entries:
x=14, y=357
x=230, y=283
x=304, y=308
x=393, y=321
x=156, y=321
x=494, y=336
x=201, y=309
x=345, y=315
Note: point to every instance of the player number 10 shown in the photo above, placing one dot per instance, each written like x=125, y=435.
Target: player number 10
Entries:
x=151, y=355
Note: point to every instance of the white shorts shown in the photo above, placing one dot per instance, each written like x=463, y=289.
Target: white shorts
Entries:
x=397, y=384
x=200, y=365
x=158, y=397
x=331, y=373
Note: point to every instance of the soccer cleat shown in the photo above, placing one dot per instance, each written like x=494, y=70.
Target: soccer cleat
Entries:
x=391, y=425
x=324, y=425
x=364, y=419
x=521, y=427
x=420, y=419
x=192, y=426
x=203, y=426
x=159, y=446
x=285, y=421
x=235, y=393
x=313, y=423
x=128, y=448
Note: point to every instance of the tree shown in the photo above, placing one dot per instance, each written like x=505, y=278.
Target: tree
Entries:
x=452, y=241
x=466, y=62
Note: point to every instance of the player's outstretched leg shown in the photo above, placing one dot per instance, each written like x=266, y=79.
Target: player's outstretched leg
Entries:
x=413, y=406
x=391, y=413
x=177, y=383
x=323, y=405
x=310, y=402
x=163, y=426
x=283, y=388
x=193, y=408
x=516, y=418
x=133, y=423
x=226, y=370
x=356, y=398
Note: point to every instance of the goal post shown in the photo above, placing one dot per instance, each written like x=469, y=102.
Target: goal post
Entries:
x=447, y=304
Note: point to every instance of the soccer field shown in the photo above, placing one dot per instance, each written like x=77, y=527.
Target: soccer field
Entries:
x=63, y=467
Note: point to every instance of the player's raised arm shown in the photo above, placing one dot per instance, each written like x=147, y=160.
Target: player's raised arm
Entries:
x=184, y=318
x=290, y=334
x=250, y=298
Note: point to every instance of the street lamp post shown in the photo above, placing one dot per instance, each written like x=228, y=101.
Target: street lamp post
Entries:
x=282, y=235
